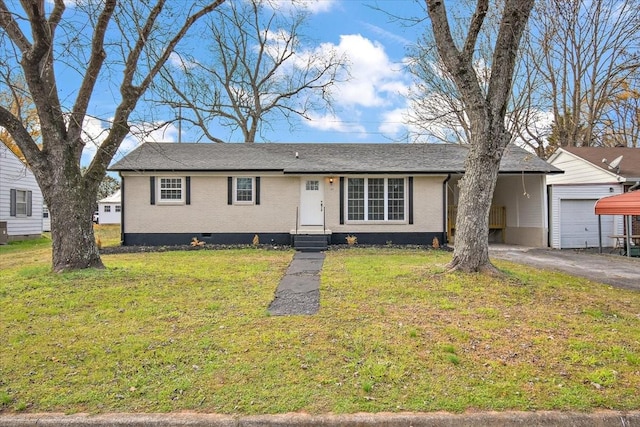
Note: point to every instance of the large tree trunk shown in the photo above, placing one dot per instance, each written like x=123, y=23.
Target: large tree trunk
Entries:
x=471, y=250
x=486, y=112
x=71, y=199
x=74, y=245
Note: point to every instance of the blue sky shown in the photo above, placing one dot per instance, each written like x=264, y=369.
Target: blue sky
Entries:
x=368, y=108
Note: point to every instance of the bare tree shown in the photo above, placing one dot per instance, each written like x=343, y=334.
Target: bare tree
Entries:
x=621, y=123
x=486, y=112
x=437, y=111
x=97, y=41
x=255, y=73
x=583, y=52
x=17, y=101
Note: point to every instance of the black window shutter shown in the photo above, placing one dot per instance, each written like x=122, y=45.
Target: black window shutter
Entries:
x=257, y=190
x=29, y=201
x=410, y=200
x=188, y=189
x=12, y=202
x=152, y=189
x=342, y=200
x=230, y=190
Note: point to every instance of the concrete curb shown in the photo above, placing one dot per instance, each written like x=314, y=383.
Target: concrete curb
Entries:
x=436, y=419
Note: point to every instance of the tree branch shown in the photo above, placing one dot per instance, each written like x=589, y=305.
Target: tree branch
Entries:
x=474, y=30
x=92, y=72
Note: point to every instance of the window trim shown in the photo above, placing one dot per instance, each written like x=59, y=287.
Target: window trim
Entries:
x=13, y=203
x=405, y=201
x=235, y=191
x=162, y=201
x=22, y=203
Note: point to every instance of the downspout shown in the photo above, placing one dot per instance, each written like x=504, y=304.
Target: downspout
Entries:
x=121, y=209
x=634, y=186
x=445, y=209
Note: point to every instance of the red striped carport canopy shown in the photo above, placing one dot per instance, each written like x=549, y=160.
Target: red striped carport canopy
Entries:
x=622, y=204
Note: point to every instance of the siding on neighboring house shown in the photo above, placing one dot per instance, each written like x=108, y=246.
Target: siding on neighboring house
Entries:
x=109, y=209
x=579, y=171
x=18, y=185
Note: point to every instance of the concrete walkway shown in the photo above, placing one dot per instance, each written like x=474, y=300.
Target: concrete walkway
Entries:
x=299, y=289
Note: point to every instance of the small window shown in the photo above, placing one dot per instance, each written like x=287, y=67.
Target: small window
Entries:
x=45, y=212
x=313, y=186
x=21, y=203
x=244, y=190
x=171, y=190
x=107, y=208
x=118, y=208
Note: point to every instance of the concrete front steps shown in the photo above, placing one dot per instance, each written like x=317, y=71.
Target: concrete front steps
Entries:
x=310, y=242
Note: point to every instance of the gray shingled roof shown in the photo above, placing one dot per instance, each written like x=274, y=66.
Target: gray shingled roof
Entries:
x=318, y=158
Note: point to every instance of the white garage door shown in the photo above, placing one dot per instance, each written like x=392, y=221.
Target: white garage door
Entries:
x=579, y=224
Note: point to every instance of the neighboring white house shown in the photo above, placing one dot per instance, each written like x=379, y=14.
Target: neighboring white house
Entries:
x=109, y=209
x=46, y=218
x=20, y=198
x=590, y=173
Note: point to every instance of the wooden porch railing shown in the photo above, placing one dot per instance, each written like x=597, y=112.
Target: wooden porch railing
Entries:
x=497, y=220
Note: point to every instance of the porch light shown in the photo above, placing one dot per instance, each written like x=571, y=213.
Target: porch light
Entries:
x=331, y=180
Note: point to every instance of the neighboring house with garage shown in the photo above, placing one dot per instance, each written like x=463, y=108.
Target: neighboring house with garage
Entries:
x=109, y=209
x=590, y=173
x=20, y=198
x=287, y=193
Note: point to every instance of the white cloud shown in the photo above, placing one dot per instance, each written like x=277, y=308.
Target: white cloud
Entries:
x=179, y=62
x=393, y=37
x=392, y=122
x=313, y=6
x=375, y=83
x=330, y=122
x=93, y=134
x=374, y=77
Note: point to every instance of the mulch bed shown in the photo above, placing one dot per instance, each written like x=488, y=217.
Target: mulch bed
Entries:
x=142, y=249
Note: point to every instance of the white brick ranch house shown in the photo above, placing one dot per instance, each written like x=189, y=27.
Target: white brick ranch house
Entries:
x=380, y=193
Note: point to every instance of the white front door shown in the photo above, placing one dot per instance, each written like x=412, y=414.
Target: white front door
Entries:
x=311, y=201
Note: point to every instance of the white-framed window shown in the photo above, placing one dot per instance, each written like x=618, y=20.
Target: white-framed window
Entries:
x=244, y=190
x=118, y=208
x=21, y=203
x=107, y=208
x=376, y=199
x=170, y=190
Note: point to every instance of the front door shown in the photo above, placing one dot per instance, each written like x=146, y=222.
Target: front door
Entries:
x=311, y=201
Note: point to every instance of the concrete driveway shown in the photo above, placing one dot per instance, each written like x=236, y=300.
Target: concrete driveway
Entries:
x=614, y=270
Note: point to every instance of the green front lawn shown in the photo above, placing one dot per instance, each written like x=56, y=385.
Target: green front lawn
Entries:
x=176, y=331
